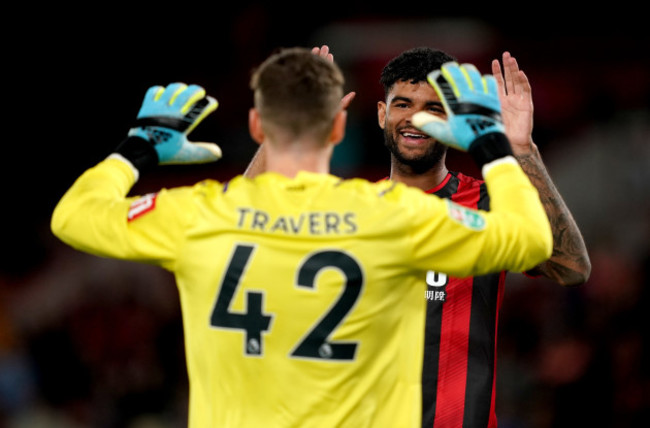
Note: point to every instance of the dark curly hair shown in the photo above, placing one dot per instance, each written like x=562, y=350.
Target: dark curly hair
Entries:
x=412, y=65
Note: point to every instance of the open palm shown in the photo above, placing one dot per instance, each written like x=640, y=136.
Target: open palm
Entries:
x=516, y=102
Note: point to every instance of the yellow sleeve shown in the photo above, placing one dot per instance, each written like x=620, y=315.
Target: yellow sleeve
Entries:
x=96, y=216
x=514, y=235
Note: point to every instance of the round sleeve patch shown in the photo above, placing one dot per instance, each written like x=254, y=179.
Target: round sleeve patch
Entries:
x=472, y=219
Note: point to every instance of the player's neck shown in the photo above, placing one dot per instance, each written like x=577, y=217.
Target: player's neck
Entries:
x=424, y=180
x=290, y=161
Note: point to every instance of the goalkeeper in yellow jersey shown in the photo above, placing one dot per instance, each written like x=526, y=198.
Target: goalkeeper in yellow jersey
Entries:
x=301, y=292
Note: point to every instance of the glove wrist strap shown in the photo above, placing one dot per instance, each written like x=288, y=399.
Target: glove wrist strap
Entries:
x=139, y=152
x=489, y=147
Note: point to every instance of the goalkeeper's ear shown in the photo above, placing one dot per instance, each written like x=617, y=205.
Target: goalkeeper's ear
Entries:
x=338, y=127
x=255, y=126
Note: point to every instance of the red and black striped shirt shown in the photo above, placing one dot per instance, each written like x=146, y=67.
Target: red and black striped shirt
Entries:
x=458, y=377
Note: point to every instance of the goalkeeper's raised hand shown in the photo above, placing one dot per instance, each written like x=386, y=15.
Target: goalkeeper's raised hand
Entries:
x=167, y=116
x=473, y=122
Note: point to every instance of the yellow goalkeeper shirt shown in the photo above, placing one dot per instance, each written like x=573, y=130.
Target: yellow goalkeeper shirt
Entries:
x=302, y=297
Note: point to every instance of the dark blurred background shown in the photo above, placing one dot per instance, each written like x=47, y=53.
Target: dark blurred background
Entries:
x=91, y=342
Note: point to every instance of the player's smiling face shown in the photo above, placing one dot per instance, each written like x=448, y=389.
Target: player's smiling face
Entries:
x=406, y=142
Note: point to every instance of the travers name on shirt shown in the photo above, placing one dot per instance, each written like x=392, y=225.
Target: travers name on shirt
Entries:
x=313, y=223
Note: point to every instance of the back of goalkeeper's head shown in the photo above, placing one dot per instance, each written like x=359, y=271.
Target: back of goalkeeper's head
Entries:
x=297, y=93
x=412, y=66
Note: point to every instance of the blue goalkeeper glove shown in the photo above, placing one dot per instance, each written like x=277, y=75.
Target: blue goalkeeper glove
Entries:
x=473, y=110
x=166, y=117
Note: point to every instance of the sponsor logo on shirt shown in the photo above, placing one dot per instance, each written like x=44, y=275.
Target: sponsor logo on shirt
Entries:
x=437, y=284
x=469, y=218
x=142, y=205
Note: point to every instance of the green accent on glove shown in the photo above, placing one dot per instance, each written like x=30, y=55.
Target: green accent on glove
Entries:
x=167, y=116
x=471, y=102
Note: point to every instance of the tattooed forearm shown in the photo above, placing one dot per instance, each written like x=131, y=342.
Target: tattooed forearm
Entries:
x=569, y=264
x=554, y=271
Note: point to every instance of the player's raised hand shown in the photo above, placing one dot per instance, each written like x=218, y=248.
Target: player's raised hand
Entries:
x=324, y=51
x=166, y=117
x=470, y=101
x=473, y=110
x=516, y=102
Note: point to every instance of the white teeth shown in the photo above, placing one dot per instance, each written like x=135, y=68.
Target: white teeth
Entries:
x=409, y=135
